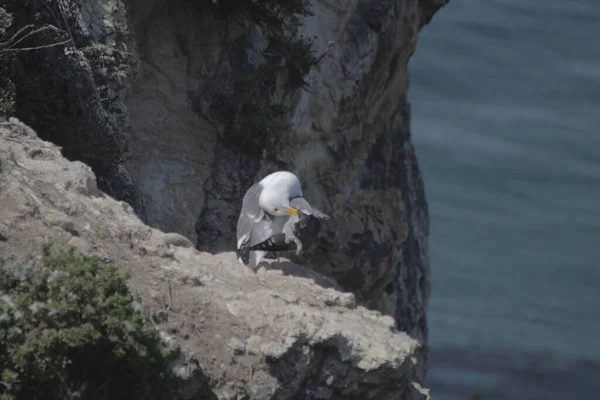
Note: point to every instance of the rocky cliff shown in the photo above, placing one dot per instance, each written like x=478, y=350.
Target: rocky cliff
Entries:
x=281, y=333
x=179, y=106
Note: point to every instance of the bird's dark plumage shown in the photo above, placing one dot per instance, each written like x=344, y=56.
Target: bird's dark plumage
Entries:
x=306, y=230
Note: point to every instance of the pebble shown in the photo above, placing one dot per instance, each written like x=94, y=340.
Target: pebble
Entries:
x=237, y=346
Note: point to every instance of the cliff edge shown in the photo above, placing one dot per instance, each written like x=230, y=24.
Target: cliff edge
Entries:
x=282, y=333
x=178, y=107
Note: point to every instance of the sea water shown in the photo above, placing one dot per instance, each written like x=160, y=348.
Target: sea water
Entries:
x=505, y=99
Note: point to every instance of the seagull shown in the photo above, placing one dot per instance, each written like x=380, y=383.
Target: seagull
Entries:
x=276, y=217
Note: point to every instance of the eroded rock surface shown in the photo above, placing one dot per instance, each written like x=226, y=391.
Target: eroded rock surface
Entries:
x=69, y=93
x=285, y=332
x=132, y=93
x=349, y=140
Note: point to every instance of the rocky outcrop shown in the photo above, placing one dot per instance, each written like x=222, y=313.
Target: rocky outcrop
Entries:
x=282, y=333
x=349, y=140
x=63, y=78
x=142, y=91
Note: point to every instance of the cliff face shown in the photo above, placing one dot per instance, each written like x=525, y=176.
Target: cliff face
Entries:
x=281, y=333
x=349, y=140
x=69, y=95
x=144, y=94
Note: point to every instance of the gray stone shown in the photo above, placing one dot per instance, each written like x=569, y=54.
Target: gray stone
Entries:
x=291, y=337
x=175, y=239
x=151, y=140
x=60, y=93
x=237, y=346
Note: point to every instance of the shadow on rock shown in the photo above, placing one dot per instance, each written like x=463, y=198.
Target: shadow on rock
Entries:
x=288, y=268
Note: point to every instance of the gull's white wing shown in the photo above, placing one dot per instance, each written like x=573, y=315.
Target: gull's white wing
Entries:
x=254, y=226
x=250, y=214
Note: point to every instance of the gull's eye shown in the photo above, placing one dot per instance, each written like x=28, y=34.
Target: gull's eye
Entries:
x=275, y=209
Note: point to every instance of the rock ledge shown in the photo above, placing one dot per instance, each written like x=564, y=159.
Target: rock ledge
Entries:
x=282, y=333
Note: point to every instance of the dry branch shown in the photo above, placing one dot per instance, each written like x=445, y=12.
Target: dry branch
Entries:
x=9, y=46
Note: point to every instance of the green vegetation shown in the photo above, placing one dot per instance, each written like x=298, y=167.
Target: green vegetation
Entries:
x=298, y=57
x=69, y=328
x=253, y=122
x=275, y=15
x=280, y=20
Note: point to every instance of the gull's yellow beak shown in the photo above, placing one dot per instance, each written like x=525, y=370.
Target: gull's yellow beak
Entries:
x=291, y=211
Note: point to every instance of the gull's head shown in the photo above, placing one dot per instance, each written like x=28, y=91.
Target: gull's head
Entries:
x=281, y=208
x=278, y=189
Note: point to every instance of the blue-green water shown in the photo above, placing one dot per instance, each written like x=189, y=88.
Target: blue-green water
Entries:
x=505, y=101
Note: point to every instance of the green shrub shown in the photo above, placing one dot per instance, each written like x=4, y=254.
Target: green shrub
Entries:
x=275, y=15
x=254, y=123
x=298, y=57
x=69, y=328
